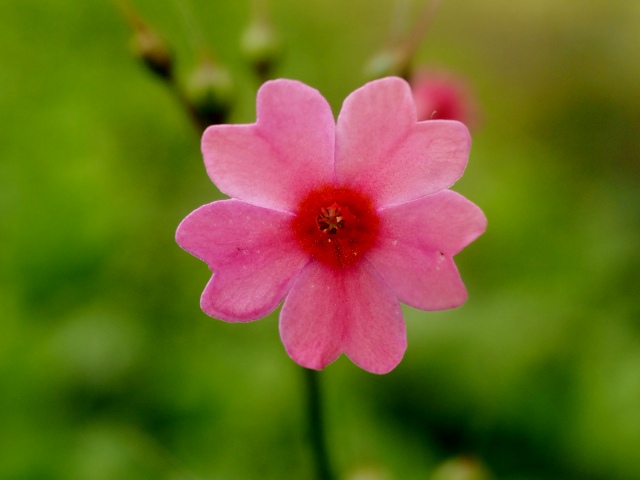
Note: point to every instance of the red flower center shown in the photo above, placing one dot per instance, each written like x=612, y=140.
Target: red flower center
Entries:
x=336, y=225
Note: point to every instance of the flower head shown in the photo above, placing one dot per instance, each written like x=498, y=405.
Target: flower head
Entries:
x=343, y=220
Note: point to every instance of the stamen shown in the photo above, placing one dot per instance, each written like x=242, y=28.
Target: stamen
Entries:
x=330, y=219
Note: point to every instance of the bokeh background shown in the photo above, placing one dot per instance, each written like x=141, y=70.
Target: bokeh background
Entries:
x=108, y=368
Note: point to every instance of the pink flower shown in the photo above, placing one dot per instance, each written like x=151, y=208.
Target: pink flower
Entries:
x=440, y=95
x=342, y=221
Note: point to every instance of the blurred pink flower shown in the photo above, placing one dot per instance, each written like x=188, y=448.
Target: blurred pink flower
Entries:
x=343, y=221
x=441, y=95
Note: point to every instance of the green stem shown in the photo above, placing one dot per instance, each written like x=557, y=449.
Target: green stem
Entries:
x=316, y=427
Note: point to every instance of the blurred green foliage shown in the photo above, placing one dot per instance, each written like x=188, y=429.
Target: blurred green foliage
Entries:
x=109, y=369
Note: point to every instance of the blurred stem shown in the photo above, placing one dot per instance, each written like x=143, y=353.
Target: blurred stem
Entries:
x=422, y=26
x=316, y=425
x=411, y=44
x=192, y=26
x=397, y=56
x=155, y=54
x=399, y=22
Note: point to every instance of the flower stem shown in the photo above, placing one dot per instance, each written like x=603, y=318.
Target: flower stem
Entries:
x=316, y=427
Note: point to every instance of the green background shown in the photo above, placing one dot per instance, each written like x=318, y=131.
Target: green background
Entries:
x=108, y=368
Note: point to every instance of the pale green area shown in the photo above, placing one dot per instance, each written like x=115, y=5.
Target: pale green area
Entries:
x=108, y=368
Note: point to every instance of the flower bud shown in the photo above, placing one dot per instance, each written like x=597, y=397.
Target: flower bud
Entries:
x=442, y=95
x=151, y=49
x=209, y=91
x=461, y=468
x=262, y=47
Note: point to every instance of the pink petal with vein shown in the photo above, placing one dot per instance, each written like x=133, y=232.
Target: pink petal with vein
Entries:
x=289, y=151
x=252, y=252
x=330, y=311
x=381, y=148
x=417, y=242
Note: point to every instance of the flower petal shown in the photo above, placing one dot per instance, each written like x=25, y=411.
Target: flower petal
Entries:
x=417, y=242
x=286, y=153
x=253, y=253
x=382, y=149
x=352, y=310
